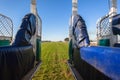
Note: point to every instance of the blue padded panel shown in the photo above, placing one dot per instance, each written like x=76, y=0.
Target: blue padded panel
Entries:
x=104, y=59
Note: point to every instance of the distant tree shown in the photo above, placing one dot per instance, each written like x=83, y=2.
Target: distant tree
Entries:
x=91, y=40
x=59, y=41
x=66, y=39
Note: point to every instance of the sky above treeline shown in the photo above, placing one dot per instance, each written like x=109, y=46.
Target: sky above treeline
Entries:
x=55, y=15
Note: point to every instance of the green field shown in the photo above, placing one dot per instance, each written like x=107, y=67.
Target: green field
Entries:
x=54, y=62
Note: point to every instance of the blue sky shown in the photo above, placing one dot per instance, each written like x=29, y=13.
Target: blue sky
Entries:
x=55, y=15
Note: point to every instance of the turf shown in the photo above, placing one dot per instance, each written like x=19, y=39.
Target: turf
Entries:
x=54, y=62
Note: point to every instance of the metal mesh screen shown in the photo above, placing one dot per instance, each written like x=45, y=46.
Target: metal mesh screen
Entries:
x=103, y=27
x=6, y=27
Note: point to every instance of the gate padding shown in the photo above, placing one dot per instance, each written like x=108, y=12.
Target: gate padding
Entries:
x=104, y=59
x=17, y=60
x=86, y=70
x=116, y=24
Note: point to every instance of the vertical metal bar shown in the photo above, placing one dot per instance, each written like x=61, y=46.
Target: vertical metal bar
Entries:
x=113, y=11
x=74, y=7
x=74, y=12
x=33, y=7
x=33, y=10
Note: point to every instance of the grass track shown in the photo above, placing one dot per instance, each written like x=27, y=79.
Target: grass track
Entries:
x=54, y=62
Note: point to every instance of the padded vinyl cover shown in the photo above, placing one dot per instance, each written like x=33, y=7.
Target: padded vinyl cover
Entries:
x=15, y=62
x=26, y=31
x=116, y=24
x=18, y=59
x=80, y=32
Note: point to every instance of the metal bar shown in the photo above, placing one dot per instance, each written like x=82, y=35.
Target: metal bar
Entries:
x=74, y=72
x=74, y=7
x=32, y=72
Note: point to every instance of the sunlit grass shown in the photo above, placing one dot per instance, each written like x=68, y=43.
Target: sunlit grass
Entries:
x=54, y=62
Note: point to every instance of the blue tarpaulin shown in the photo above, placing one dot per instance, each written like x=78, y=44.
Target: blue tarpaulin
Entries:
x=116, y=24
x=80, y=32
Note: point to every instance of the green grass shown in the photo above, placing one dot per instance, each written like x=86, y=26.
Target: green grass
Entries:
x=54, y=62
